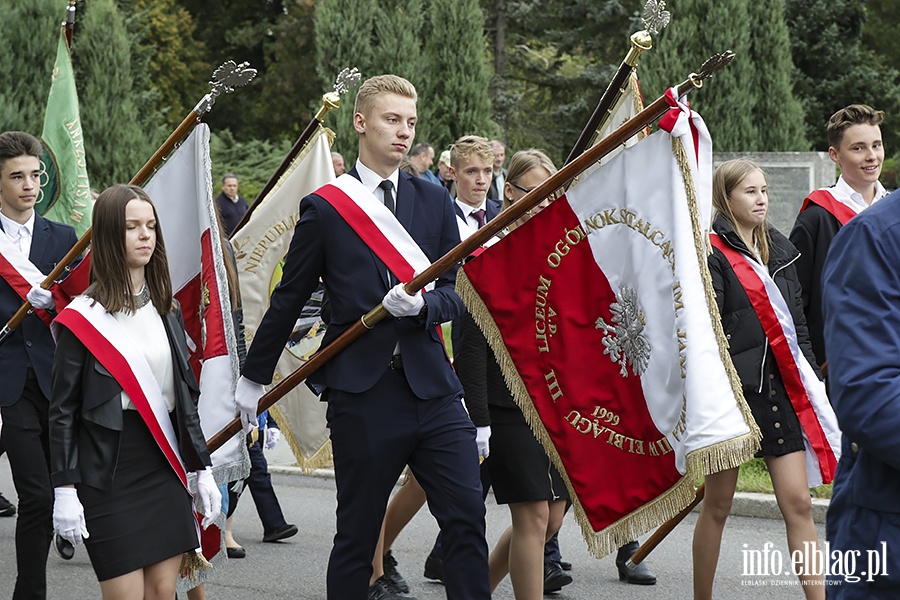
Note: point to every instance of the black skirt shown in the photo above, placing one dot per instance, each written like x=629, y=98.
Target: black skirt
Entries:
x=774, y=414
x=146, y=517
x=520, y=469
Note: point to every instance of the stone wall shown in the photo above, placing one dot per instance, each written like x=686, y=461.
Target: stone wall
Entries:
x=791, y=176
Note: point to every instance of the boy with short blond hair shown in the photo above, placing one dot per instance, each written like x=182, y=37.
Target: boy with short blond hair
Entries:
x=471, y=167
x=855, y=145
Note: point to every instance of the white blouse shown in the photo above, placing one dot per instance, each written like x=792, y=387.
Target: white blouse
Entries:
x=146, y=328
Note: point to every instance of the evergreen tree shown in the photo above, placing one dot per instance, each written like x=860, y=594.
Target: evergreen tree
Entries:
x=30, y=32
x=344, y=32
x=698, y=30
x=121, y=129
x=834, y=69
x=455, y=76
x=177, y=67
x=558, y=59
x=398, y=31
x=778, y=113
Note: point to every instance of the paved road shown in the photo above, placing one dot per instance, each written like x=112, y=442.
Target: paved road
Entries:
x=295, y=569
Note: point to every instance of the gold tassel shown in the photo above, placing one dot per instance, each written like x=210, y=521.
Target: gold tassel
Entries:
x=192, y=563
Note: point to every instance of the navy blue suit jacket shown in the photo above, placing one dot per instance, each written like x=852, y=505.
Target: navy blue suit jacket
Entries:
x=31, y=343
x=325, y=246
x=491, y=209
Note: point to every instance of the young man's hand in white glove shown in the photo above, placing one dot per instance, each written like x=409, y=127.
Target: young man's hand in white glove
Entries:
x=400, y=304
x=482, y=437
x=273, y=436
x=247, y=396
x=38, y=297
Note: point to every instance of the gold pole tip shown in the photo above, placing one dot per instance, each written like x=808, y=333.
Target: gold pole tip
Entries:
x=331, y=100
x=641, y=39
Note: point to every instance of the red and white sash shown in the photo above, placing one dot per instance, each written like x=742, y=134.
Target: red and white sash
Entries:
x=378, y=228
x=805, y=391
x=120, y=354
x=830, y=203
x=20, y=273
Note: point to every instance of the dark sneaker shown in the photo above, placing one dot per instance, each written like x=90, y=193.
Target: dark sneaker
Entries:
x=394, y=576
x=7, y=508
x=382, y=589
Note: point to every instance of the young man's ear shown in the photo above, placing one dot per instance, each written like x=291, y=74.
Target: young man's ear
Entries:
x=833, y=155
x=452, y=173
x=359, y=122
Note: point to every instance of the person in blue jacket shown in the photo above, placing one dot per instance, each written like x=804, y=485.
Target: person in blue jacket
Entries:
x=861, y=302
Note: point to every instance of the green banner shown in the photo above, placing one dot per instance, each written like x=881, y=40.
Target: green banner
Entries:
x=65, y=189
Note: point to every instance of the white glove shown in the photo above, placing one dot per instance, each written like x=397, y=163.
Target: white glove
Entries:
x=247, y=396
x=68, y=515
x=482, y=435
x=400, y=304
x=38, y=297
x=273, y=436
x=210, y=496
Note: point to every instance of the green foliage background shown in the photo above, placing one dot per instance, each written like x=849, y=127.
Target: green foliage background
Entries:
x=527, y=71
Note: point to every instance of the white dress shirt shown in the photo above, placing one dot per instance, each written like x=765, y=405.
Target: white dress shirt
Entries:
x=20, y=234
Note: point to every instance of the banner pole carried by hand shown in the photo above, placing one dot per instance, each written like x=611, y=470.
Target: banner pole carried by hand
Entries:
x=330, y=101
x=477, y=239
x=655, y=19
x=226, y=78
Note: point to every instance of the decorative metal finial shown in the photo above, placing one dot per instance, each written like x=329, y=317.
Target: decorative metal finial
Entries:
x=226, y=78
x=345, y=80
x=229, y=76
x=342, y=84
x=711, y=66
x=656, y=17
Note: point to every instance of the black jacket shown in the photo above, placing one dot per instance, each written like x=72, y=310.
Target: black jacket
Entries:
x=86, y=412
x=812, y=234
x=747, y=341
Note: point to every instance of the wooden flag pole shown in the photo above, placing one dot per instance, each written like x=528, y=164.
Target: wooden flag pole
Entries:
x=226, y=78
x=477, y=239
x=330, y=101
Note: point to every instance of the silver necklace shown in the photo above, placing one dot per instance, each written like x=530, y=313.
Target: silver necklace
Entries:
x=142, y=298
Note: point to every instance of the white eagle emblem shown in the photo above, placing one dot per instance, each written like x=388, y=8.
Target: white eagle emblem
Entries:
x=624, y=340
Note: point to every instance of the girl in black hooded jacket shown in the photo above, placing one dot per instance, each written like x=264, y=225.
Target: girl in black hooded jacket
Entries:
x=740, y=197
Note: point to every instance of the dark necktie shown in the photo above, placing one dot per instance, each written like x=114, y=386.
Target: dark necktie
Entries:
x=388, y=188
x=479, y=216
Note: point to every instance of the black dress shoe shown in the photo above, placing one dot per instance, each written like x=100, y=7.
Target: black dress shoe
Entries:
x=394, y=576
x=64, y=547
x=285, y=531
x=566, y=566
x=554, y=577
x=237, y=552
x=639, y=573
x=7, y=508
x=382, y=589
x=434, y=568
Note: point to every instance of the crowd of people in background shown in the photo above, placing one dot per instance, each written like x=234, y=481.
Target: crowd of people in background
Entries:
x=84, y=440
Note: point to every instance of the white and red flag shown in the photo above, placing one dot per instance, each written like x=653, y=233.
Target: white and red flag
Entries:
x=259, y=247
x=182, y=192
x=602, y=315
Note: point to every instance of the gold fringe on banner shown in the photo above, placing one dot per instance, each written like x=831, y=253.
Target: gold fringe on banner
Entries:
x=629, y=527
x=320, y=458
x=724, y=455
x=192, y=564
x=735, y=452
